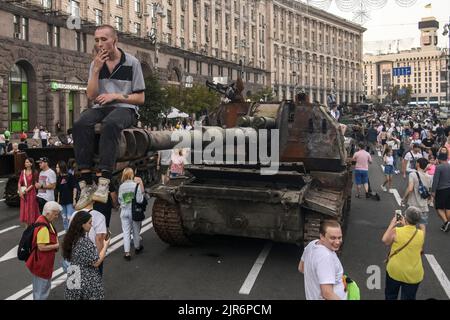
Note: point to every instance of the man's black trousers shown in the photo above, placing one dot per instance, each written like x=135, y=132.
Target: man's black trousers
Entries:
x=113, y=120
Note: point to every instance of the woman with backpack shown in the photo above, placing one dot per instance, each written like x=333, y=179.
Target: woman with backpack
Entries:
x=29, y=208
x=84, y=260
x=415, y=195
x=132, y=188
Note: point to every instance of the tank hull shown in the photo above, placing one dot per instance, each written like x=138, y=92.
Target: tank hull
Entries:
x=289, y=211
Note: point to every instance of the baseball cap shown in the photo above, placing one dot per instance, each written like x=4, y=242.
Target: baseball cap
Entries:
x=43, y=159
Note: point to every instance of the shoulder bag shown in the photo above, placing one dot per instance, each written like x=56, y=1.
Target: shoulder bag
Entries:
x=23, y=188
x=423, y=191
x=138, y=209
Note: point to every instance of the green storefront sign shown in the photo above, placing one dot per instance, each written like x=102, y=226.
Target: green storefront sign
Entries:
x=67, y=86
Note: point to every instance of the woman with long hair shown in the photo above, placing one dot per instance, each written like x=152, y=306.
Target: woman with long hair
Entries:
x=29, y=208
x=84, y=281
x=66, y=192
x=127, y=192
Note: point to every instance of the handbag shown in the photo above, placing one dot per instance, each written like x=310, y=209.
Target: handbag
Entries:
x=23, y=188
x=138, y=209
x=399, y=249
x=423, y=192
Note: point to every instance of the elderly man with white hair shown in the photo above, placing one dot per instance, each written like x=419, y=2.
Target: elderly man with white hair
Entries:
x=45, y=245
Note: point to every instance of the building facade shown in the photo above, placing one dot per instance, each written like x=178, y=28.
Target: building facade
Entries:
x=425, y=69
x=46, y=47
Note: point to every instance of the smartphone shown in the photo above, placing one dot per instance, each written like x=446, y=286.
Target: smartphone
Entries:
x=398, y=214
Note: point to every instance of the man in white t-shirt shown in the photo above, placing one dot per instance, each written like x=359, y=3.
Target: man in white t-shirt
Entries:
x=46, y=184
x=44, y=135
x=410, y=159
x=98, y=232
x=322, y=269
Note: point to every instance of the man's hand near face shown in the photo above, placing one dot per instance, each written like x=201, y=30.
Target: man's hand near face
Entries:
x=100, y=59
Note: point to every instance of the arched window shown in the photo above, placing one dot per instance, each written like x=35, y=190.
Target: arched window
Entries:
x=18, y=99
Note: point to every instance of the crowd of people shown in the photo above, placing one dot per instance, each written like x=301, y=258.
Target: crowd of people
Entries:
x=39, y=137
x=414, y=144
x=45, y=197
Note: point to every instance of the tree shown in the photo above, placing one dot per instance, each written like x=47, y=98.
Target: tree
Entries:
x=265, y=94
x=402, y=94
x=155, y=102
x=192, y=100
x=199, y=99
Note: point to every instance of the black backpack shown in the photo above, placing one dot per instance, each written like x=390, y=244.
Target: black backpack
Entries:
x=26, y=241
x=138, y=209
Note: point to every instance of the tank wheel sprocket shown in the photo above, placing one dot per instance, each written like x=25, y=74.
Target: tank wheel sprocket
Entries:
x=311, y=228
x=167, y=223
x=12, y=199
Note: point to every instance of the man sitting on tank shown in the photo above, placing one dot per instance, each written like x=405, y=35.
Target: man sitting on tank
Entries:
x=115, y=90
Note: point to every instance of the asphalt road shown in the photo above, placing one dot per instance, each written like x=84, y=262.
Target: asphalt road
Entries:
x=236, y=268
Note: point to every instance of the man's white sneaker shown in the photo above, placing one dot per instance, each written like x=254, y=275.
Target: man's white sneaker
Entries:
x=101, y=194
x=85, y=195
x=383, y=188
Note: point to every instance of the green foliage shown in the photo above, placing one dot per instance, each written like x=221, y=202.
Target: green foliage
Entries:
x=159, y=100
x=265, y=94
x=192, y=100
x=405, y=98
x=155, y=102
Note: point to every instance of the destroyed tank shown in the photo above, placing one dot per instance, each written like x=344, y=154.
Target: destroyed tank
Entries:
x=242, y=196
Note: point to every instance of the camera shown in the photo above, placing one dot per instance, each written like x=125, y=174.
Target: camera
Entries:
x=398, y=214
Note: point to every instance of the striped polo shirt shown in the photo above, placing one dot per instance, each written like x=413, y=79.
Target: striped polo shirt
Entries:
x=126, y=78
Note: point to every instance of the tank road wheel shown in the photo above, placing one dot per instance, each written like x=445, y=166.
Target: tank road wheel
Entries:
x=311, y=228
x=12, y=199
x=167, y=223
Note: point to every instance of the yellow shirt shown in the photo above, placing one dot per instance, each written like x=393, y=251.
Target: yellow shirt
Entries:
x=406, y=266
x=43, y=236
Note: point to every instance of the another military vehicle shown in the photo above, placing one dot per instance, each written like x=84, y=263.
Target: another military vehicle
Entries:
x=313, y=183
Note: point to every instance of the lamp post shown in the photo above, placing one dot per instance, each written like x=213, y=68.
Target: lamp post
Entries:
x=446, y=32
x=156, y=11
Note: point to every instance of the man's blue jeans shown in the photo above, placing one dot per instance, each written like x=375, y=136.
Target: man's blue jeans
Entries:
x=41, y=288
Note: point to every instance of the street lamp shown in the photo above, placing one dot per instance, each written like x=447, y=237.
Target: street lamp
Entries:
x=446, y=32
x=156, y=11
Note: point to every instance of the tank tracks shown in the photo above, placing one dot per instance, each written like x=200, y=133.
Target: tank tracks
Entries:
x=167, y=223
x=12, y=199
x=311, y=228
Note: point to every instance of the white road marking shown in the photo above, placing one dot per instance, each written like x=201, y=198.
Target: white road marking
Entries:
x=56, y=282
x=59, y=276
x=2, y=181
x=397, y=196
x=1, y=200
x=443, y=280
x=382, y=168
x=8, y=229
x=253, y=274
x=12, y=254
x=379, y=153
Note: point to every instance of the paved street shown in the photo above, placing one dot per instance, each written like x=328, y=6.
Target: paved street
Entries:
x=235, y=268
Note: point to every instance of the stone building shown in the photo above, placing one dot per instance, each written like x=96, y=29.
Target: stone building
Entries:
x=425, y=69
x=46, y=46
